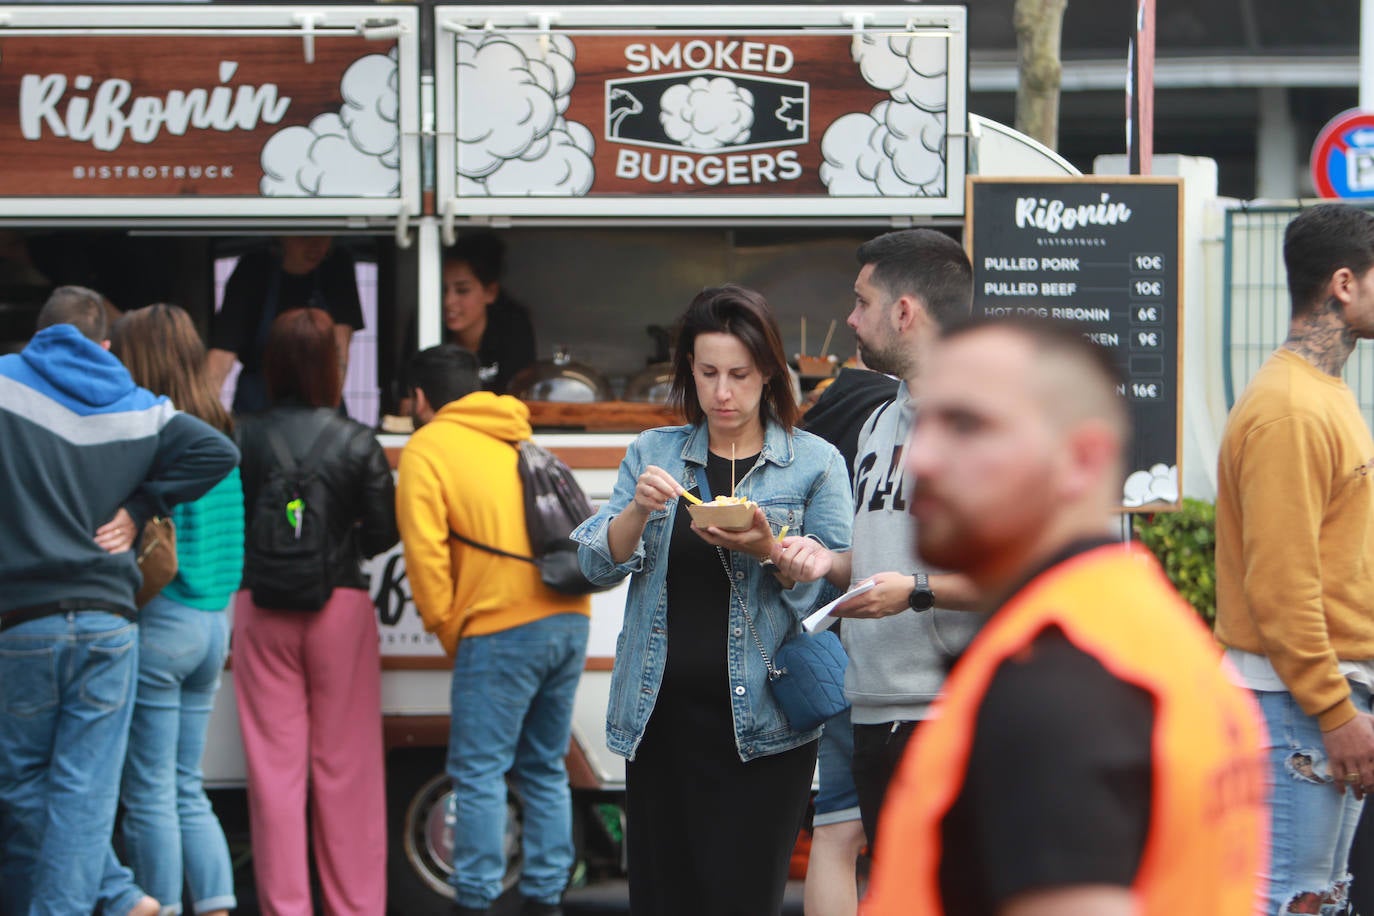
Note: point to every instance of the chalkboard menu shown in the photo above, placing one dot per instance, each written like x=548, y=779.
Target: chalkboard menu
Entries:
x=1106, y=255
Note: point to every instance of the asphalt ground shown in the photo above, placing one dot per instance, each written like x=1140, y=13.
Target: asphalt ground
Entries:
x=612, y=896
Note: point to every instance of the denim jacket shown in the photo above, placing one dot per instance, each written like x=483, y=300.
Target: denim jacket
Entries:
x=799, y=481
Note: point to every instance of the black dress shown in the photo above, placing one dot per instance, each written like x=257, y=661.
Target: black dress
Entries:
x=707, y=834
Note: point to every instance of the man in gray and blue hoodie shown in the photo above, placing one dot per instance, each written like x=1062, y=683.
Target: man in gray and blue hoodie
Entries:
x=902, y=635
x=86, y=457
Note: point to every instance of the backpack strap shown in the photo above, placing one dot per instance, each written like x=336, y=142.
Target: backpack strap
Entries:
x=280, y=449
x=318, y=448
x=489, y=549
x=324, y=441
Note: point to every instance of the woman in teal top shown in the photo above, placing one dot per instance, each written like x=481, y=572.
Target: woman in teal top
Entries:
x=209, y=547
x=172, y=836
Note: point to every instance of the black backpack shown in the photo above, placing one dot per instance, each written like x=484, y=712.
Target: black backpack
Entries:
x=554, y=506
x=286, y=551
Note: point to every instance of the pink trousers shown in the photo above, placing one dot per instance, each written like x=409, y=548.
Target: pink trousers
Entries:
x=309, y=696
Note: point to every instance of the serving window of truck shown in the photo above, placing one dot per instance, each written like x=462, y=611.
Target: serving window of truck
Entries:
x=718, y=112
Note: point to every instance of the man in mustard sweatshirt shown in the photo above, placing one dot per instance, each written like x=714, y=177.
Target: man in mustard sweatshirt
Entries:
x=1295, y=577
x=518, y=647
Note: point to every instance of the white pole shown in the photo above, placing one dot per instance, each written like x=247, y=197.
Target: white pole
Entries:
x=429, y=310
x=1367, y=55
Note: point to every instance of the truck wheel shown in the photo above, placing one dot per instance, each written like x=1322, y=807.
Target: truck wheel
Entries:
x=420, y=835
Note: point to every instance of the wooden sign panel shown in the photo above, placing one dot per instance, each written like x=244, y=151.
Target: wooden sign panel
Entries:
x=624, y=120
x=174, y=113
x=1106, y=255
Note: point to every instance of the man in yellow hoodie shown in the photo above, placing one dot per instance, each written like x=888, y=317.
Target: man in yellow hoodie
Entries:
x=518, y=647
x=1295, y=584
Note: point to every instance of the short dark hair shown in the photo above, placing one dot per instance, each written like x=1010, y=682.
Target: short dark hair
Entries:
x=78, y=306
x=444, y=373
x=744, y=314
x=1062, y=343
x=483, y=252
x=1320, y=241
x=301, y=360
x=1047, y=335
x=924, y=263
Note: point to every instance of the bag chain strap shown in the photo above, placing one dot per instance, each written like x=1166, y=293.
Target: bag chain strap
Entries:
x=773, y=673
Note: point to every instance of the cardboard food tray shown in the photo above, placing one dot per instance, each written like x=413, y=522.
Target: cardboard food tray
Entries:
x=737, y=517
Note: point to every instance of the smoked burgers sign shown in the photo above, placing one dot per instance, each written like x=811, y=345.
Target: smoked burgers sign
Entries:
x=764, y=111
x=156, y=109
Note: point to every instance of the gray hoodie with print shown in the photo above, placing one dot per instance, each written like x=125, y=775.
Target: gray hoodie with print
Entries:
x=897, y=664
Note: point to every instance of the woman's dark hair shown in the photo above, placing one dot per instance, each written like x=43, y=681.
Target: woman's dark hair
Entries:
x=162, y=350
x=745, y=315
x=301, y=361
x=483, y=252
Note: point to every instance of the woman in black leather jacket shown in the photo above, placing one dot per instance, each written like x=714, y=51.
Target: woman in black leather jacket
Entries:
x=308, y=682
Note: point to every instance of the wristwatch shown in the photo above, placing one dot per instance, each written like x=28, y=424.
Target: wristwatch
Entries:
x=921, y=597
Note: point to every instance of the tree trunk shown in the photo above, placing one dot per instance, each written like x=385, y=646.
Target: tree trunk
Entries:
x=1038, y=27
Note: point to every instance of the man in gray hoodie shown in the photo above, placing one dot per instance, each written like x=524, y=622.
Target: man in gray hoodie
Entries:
x=903, y=634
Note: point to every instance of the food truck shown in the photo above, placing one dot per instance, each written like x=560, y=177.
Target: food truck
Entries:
x=626, y=155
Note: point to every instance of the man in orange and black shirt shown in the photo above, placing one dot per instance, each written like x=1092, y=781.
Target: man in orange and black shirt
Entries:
x=1089, y=756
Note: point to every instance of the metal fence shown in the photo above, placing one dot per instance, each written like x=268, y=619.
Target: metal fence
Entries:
x=1256, y=307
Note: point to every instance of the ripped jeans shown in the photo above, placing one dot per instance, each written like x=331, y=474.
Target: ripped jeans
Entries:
x=1311, y=823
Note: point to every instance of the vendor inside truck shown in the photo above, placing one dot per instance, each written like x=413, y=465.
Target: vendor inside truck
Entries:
x=478, y=314
x=299, y=271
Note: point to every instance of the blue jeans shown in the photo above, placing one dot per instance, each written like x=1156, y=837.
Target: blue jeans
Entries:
x=837, y=800
x=66, y=683
x=512, y=713
x=169, y=827
x=1311, y=824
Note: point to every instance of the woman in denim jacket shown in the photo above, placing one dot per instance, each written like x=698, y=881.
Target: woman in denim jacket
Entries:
x=717, y=781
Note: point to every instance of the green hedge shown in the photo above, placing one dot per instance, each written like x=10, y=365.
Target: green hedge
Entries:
x=1186, y=544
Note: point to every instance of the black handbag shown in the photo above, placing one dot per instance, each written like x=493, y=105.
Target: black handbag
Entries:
x=805, y=675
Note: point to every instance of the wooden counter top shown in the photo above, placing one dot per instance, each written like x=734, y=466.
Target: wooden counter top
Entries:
x=601, y=416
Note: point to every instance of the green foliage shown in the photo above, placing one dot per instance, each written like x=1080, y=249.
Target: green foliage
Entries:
x=1186, y=544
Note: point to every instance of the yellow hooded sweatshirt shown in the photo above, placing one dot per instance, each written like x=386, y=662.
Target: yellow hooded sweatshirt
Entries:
x=459, y=472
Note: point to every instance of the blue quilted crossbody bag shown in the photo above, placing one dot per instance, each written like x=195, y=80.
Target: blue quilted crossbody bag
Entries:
x=806, y=674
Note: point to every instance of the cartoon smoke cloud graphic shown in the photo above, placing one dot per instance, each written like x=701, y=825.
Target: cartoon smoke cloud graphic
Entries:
x=352, y=153
x=1160, y=482
x=707, y=113
x=512, y=137
x=898, y=148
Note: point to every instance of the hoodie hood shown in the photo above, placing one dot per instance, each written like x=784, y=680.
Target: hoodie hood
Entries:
x=79, y=374
x=498, y=415
x=845, y=406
